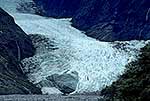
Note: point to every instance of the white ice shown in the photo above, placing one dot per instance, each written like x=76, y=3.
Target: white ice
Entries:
x=97, y=63
x=50, y=90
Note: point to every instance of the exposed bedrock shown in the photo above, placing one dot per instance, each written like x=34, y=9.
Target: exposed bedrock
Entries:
x=106, y=20
x=15, y=45
x=66, y=83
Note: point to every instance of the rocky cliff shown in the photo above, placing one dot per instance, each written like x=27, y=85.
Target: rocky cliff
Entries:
x=111, y=20
x=107, y=20
x=58, y=8
x=15, y=45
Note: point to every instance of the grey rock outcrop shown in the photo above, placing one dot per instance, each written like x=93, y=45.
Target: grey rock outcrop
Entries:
x=66, y=83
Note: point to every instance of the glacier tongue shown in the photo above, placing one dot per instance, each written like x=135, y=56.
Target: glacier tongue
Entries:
x=97, y=63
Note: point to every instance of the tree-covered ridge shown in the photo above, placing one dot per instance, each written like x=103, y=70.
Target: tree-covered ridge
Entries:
x=134, y=84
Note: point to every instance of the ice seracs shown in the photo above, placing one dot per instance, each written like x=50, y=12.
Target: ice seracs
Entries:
x=97, y=63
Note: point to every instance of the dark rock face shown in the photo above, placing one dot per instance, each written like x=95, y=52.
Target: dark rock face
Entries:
x=111, y=20
x=134, y=84
x=14, y=46
x=58, y=8
x=66, y=83
x=13, y=38
x=107, y=20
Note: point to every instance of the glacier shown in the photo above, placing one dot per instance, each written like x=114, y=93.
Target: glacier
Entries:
x=97, y=63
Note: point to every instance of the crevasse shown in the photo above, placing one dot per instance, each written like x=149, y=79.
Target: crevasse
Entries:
x=97, y=63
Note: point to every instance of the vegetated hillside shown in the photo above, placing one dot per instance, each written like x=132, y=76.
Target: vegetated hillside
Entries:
x=106, y=20
x=134, y=84
x=15, y=45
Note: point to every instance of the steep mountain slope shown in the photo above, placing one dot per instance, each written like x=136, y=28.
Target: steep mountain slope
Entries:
x=111, y=20
x=67, y=51
x=15, y=45
x=106, y=20
x=134, y=84
x=58, y=8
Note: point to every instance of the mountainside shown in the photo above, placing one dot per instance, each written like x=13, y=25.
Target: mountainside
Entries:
x=134, y=84
x=107, y=20
x=65, y=59
x=15, y=45
x=111, y=20
x=58, y=8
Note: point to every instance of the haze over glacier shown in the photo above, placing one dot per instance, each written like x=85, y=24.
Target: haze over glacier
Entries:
x=97, y=63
